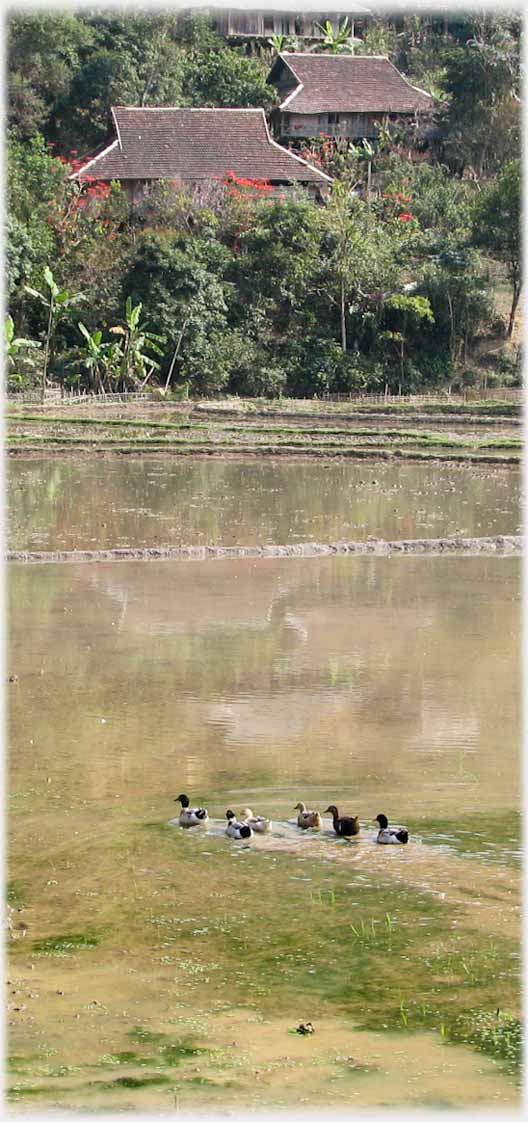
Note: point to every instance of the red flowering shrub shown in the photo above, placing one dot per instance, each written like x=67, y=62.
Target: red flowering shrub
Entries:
x=80, y=210
x=235, y=182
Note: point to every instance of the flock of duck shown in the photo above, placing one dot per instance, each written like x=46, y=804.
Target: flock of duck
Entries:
x=345, y=826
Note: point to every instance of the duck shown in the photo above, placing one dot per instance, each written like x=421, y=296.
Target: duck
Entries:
x=258, y=824
x=308, y=819
x=390, y=835
x=236, y=829
x=189, y=816
x=344, y=826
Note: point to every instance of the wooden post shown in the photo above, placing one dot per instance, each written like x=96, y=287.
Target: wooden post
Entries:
x=46, y=350
x=343, y=316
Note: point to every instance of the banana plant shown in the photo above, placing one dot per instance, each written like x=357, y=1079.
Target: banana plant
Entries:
x=58, y=301
x=102, y=360
x=136, y=364
x=16, y=350
x=283, y=43
x=336, y=42
x=365, y=153
x=15, y=347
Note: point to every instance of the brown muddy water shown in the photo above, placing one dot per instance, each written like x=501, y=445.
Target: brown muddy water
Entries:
x=79, y=505
x=164, y=969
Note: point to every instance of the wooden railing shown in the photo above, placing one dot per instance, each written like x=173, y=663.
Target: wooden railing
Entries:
x=506, y=393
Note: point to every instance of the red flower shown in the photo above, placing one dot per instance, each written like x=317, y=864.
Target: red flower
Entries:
x=405, y=217
x=399, y=196
x=255, y=184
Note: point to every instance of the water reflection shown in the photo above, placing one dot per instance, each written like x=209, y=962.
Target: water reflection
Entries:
x=380, y=676
x=61, y=504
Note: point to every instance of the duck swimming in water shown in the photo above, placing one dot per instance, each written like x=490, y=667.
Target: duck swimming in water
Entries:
x=308, y=819
x=236, y=829
x=258, y=824
x=345, y=827
x=390, y=835
x=189, y=816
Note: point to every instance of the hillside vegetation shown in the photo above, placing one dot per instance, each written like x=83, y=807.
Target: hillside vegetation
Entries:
x=409, y=277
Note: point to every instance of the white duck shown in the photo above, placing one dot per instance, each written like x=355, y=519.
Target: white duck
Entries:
x=189, y=816
x=258, y=824
x=390, y=835
x=308, y=819
x=236, y=829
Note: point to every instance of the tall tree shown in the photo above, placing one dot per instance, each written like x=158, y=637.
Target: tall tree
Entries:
x=44, y=54
x=497, y=227
x=481, y=80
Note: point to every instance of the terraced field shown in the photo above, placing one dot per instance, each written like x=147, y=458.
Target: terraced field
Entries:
x=480, y=432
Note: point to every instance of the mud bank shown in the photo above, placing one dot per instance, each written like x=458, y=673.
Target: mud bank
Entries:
x=375, y=415
x=224, y=453
x=501, y=544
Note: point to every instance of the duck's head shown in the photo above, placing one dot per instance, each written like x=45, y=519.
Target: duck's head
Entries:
x=183, y=800
x=230, y=815
x=332, y=810
x=382, y=820
x=247, y=813
x=300, y=806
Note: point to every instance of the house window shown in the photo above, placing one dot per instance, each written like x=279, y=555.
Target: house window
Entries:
x=333, y=118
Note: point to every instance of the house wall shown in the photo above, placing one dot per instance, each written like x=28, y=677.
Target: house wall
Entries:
x=208, y=192
x=350, y=125
x=234, y=24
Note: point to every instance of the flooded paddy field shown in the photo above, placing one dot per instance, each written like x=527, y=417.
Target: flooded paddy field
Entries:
x=89, y=503
x=157, y=968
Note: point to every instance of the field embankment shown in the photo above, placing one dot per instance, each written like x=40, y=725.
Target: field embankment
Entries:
x=473, y=432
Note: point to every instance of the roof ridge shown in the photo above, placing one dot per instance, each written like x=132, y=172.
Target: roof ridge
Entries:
x=294, y=156
x=408, y=83
x=321, y=54
x=93, y=159
x=189, y=108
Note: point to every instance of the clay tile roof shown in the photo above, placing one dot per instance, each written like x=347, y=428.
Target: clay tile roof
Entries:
x=350, y=83
x=194, y=144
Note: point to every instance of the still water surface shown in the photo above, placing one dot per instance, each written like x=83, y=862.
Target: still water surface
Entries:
x=133, y=502
x=165, y=968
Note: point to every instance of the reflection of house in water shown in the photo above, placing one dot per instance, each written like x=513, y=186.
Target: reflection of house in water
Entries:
x=248, y=719
x=200, y=597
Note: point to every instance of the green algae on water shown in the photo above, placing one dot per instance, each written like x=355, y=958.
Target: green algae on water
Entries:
x=61, y=945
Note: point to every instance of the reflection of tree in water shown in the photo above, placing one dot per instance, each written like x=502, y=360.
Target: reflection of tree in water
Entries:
x=115, y=502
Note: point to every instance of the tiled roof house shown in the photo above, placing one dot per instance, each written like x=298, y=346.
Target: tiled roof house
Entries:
x=193, y=146
x=341, y=95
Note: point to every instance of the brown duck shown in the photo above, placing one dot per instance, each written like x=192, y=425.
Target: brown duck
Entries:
x=345, y=827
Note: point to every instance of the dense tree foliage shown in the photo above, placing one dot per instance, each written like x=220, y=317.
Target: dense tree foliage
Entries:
x=497, y=226
x=240, y=290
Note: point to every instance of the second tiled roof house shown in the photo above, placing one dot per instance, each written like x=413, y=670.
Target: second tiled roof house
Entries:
x=341, y=95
